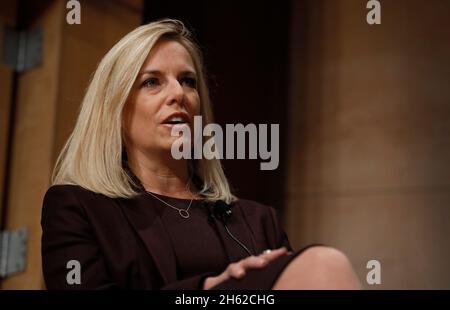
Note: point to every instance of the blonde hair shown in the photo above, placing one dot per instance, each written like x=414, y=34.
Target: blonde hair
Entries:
x=93, y=154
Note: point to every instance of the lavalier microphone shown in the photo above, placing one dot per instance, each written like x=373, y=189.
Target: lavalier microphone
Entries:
x=222, y=212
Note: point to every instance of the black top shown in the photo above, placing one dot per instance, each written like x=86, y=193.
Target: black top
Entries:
x=188, y=237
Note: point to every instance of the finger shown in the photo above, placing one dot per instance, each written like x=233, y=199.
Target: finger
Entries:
x=253, y=262
x=221, y=277
x=236, y=270
x=273, y=254
x=274, y=251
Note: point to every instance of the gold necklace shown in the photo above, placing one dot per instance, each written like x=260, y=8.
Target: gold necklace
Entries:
x=183, y=213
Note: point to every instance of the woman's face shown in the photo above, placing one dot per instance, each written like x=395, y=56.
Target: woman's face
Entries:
x=164, y=95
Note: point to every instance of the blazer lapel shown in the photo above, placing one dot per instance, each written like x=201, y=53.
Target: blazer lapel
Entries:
x=147, y=223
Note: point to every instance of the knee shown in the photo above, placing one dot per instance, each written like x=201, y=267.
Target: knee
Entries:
x=319, y=267
x=325, y=258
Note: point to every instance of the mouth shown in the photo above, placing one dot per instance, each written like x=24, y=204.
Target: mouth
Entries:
x=178, y=118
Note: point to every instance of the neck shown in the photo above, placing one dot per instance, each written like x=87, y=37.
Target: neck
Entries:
x=161, y=174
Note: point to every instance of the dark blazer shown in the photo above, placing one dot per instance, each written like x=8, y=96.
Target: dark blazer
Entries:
x=117, y=247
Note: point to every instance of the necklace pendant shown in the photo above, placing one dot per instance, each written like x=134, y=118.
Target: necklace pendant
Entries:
x=183, y=213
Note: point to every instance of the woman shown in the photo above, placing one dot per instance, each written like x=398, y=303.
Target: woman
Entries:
x=131, y=216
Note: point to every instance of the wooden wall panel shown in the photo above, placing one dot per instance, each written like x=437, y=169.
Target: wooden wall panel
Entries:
x=82, y=50
x=48, y=101
x=370, y=136
x=7, y=19
x=32, y=145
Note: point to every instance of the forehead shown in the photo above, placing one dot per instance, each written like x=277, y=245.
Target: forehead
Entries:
x=168, y=53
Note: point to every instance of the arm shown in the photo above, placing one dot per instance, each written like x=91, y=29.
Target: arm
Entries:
x=238, y=270
x=68, y=235
x=280, y=237
x=276, y=240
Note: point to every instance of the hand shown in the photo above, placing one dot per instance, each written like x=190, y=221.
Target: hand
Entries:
x=238, y=269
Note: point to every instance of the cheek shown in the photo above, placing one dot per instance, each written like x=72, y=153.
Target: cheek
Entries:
x=140, y=120
x=195, y=104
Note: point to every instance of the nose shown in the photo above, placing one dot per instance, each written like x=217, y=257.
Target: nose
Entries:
x=175, y=92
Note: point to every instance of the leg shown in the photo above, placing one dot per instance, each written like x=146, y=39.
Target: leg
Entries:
x=318, y=268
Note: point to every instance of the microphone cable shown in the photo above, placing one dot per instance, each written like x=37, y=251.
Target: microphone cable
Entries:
x=236, y=239
x=222, y=211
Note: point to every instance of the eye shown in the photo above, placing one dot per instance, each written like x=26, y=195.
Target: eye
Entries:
x=151, y=82
x=189, y=81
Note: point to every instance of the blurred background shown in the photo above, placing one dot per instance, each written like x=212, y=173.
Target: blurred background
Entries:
x=364, y=114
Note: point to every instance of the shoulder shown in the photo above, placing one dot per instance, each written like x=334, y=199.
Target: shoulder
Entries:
x=265, y=221
x=68, y=194
x=65, y=191
x=254, y=208
x=63, y=196
x=250, y=204
x=69, y=198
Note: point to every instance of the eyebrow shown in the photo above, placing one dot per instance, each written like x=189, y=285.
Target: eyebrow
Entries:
x=184, y=72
